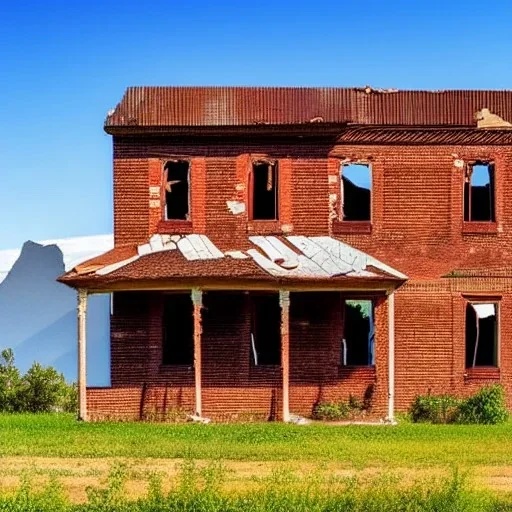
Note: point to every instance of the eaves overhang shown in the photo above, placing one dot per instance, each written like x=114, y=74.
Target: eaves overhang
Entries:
x=331, y=130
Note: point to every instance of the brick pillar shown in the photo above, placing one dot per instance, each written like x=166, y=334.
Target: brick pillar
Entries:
x=82, y=370
x=197, y=300
x=285, y=194
x=333, y=175
x=156, y=194
x=284, y=301
x=198, y=197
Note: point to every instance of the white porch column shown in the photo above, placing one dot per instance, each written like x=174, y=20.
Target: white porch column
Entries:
x=284, y=301
x=197, y=301
x=391, y=357
x=82, y=348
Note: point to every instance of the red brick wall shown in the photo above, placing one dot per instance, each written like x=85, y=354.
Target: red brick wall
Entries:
x=416, y=227
x=131, y=200
x=416, y=210
x=232, y=386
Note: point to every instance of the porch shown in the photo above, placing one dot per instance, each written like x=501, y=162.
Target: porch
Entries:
x=243, y=354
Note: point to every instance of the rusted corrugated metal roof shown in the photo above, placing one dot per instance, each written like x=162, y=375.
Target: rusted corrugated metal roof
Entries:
x=424, y=136
x=249, y=106
x=230, y=106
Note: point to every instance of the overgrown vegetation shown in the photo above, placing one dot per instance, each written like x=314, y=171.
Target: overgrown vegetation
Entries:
x=487, y=407
x=337, y=411
x=435, y=409
x=41, y=389
x=200, y=490
x=331, y=411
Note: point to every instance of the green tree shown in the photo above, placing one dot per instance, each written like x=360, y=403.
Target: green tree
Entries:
x=10, y=382
x=42, y=389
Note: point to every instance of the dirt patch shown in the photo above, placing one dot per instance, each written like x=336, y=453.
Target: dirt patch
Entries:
x=76, y=475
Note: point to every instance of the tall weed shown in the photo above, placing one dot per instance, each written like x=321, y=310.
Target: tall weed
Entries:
x=199, y=489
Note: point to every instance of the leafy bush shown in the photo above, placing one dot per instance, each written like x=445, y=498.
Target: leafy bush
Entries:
x=41, y=389
x=330, y=411
x=435, y=409
x=487, y=406
x=336, y=411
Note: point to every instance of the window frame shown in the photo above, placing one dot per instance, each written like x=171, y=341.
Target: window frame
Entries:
x=253, y=320
x=163, y=198
x=163, y=362
x=250, y=189
x=343, y=338
x=341, y=190
x=467, y=175
x=339, y=224
x=496, y=301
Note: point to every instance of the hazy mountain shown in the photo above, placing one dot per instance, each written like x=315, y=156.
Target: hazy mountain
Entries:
x=38, y=316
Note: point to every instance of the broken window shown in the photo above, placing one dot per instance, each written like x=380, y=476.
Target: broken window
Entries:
x=265, y=191
x=177, y=190
x=265, y=330
x=357, y=345
x=479, y=192
x=356, y=186
x=481, y=334
x=178, y=340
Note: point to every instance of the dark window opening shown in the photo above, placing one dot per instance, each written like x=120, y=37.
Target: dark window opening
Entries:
x=178, y=342
x=266, y=330
x=177, y=190
x=479, y=193
x=481, y=335
x=356, y=186
x=265, y=188
x=357, y=345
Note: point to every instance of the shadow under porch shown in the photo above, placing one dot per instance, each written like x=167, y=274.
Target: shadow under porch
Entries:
x=241, y=355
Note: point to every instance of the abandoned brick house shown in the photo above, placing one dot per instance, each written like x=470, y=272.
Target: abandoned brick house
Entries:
x=276, y=248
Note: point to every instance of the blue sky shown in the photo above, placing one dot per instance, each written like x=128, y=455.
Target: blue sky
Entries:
x=65, y=64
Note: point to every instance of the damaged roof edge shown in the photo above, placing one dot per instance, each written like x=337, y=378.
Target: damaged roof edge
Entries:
x=291, y=258
x=248, y=106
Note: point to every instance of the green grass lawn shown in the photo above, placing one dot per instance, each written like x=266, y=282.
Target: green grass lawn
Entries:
x=405, y=445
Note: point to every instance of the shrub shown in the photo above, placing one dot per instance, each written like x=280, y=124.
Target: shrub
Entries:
x=41, y=389
x=334, y=411
x=434, y=409
x=487, y=406
x=330, y=411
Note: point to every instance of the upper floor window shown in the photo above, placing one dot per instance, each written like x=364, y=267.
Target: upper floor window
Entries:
x=178, y=340
x=479, y=202
x=356, y=192
x=177, y=190
x=481, y=334
x=264, y=191
x=357, y=344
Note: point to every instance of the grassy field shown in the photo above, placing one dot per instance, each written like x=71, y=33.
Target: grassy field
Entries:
x=80, y=455
x=407, y=444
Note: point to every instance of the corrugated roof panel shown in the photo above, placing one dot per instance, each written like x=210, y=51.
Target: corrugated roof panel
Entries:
x=247, y=106
x=231, y=106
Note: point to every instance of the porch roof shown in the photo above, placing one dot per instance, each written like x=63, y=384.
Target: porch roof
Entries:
x=266, y=259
